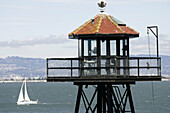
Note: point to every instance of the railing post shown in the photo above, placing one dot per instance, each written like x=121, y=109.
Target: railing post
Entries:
x=118, y=66
x=115, y=66
x=47, y=66
x=71, y=67
x=138, y=67
x=82, y=66
x=79, y=70
x=159, y=67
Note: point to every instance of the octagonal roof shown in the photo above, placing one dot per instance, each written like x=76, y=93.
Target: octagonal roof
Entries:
x=103, y=25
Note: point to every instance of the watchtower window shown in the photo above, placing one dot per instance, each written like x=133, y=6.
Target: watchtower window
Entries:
x=125, y=47
x=113, y=47
x=90, y=48
x=121, y=47
x=103, y=47
x=79, y=48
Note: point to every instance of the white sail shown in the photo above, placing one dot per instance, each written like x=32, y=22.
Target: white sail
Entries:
x=21, y=97
x=26, y=100
x=26, y=94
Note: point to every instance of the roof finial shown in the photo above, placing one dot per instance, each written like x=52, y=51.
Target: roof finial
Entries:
x=102, y=5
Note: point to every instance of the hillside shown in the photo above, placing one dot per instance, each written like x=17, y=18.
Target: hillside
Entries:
x=25, y=67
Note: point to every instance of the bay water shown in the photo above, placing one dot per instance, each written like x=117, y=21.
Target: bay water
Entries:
x=61, y=97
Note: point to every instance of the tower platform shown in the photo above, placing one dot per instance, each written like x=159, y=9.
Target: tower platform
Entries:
x=136, y=69
x=105, y=79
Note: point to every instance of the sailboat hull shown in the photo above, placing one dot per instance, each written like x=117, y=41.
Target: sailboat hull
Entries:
x=27, y=102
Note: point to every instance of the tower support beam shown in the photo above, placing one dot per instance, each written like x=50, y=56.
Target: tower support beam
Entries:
x=130, y=98
x=78, y=99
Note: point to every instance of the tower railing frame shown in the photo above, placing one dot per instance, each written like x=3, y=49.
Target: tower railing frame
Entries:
x=82, y=66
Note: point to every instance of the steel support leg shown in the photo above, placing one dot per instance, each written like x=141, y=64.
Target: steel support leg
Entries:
x=104, y=99
x=130, y=98
x=109, y=100
x=99, y=99
x=78, y=98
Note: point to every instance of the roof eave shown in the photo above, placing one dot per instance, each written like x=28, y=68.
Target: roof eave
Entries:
x=96, y=36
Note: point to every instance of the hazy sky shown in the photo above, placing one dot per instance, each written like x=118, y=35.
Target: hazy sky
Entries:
x=39, y=28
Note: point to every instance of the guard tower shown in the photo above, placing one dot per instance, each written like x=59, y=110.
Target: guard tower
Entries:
x=104, y=63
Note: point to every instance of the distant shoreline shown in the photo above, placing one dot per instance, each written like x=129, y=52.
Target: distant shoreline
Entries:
x=165, y=79
x=14, y=81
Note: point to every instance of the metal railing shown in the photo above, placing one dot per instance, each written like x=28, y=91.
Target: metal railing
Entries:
x=117, y=66
x=62, y=64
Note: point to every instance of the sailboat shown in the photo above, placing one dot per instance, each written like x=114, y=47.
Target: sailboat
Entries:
x=24, y=99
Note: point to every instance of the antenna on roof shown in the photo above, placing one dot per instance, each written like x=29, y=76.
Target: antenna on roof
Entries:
x=102, y=5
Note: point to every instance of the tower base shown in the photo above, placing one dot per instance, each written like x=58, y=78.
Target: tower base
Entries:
x=106, y=98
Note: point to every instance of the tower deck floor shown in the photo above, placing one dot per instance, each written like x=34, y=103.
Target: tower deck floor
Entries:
x=103, y=79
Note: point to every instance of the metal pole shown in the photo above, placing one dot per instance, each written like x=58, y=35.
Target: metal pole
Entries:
x=78, y=99
x=157, y=42
x=47, y=67
x=156, y=35
x=157, y=50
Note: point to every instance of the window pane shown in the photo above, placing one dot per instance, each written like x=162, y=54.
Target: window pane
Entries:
x=121, y=47
x=103, y=47
x=93, y=48
x=113, y=47
x=85, y=47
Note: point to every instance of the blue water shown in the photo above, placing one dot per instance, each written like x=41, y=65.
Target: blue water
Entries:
x=61, y=97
